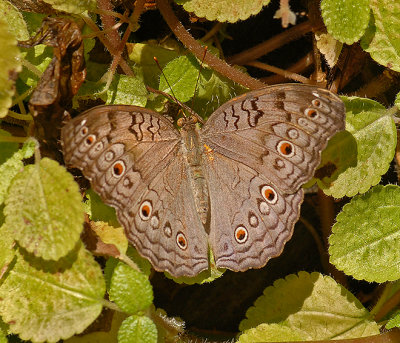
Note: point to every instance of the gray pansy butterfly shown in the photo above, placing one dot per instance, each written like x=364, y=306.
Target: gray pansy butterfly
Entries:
x=233, y=186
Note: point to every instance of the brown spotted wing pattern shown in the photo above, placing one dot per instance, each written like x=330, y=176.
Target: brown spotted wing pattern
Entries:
x=234, y=186
x=263, y=146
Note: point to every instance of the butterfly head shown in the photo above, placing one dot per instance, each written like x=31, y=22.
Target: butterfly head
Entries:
x=187, y=122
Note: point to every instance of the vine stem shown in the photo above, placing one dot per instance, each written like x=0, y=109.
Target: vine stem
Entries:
x=198, y=50
x=388, y=306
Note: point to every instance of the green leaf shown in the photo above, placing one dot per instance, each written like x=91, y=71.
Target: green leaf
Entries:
x=44, y=210
x=374, y=131
x=181, y=74
x=271, y=333
x=346, y=20
x=101, y=336
x=381, y=38
x=7, y=252
x=394, y=322
x=99, y=211
x=10, y=65
x=339, y=155
x=7, y=149
x=33, y=21
x=73, y=6
x=143, y=55
x=111, y=235
x=3, y=332
x=12, y=166
x=222, y=10
x=127, y=90
x=108, y=271
x=143, y=263
x=397, y=101
x=138, y=329
x=52, y=301
x=132, y=254
x=15, y=20
x=375, y=218
x=91, y=89
x=213, y=91
x=130, y=289
x=311, y=305
x=38, y=56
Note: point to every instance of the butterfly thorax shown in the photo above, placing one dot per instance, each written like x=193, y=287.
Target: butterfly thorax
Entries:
x=193, y=151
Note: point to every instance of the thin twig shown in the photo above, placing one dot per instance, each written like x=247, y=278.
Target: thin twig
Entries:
x=298, y=67
x=286, y=74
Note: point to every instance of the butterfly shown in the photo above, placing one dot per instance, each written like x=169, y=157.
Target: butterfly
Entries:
x=232, y=186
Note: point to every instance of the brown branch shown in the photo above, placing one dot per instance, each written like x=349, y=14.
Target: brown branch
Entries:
x=271, y=44
x=327, y=218
x=124, y=66
x=137, y=12
x=213, y=61
x=109, y=21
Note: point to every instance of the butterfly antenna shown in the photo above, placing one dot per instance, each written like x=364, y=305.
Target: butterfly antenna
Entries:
x=173, y=97
x=166, y=80
x=198, y=76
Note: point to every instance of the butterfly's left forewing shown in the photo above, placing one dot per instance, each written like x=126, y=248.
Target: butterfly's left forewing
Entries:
x=259, y=149
x=133, y=158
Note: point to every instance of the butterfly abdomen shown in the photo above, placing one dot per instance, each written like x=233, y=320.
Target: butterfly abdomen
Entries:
x=193, y=152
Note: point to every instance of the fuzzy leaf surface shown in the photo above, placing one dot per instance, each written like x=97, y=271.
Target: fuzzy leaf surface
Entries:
x=73, y=6
x=46, y=301
x=222, y=10
x=10, y=65
x=346, y=20
x=127, y=90
x=13, y=165
x=7, y=252
x=181, y=74
x=313, y=306
x=130, y=289
x=15, y=20
x=44, y=210
x=374, y=131
x=337, y=157
x=381, y=38
x=365, y=240
x=271, y=333
x=138, y=329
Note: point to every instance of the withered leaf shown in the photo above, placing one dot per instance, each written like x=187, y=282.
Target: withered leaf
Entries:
x=59, y=82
